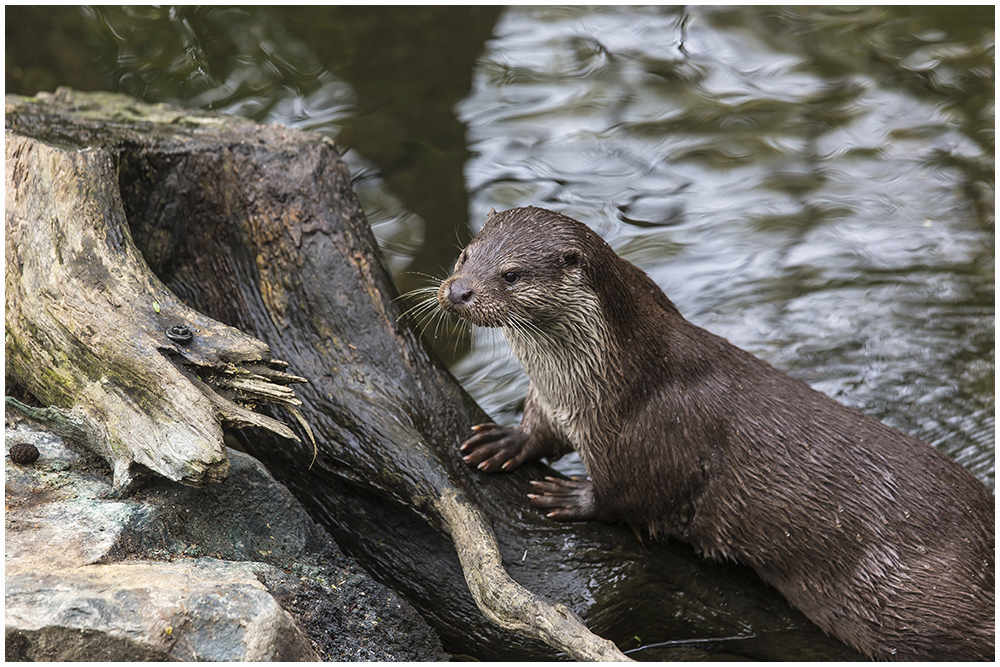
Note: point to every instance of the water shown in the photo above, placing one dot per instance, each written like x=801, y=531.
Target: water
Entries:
x=815, y=184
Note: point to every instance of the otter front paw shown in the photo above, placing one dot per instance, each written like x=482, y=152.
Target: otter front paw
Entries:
x=494, y=448
x=566, y=499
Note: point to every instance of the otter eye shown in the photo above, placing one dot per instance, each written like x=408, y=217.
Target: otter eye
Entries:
x=510, y=277
x=571, y=258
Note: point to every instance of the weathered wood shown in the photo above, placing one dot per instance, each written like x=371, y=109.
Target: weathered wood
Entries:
x=89, y=327
x=258, y=227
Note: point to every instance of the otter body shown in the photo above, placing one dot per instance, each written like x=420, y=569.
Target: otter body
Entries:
x=877, y=537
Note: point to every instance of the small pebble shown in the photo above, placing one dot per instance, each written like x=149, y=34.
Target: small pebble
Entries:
x=24, y=453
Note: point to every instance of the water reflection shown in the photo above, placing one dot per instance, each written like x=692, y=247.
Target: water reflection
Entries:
x=229, y=59
x=812, y=186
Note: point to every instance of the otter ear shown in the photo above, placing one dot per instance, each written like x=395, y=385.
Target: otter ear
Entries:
x=570, y=257
x=492, y=212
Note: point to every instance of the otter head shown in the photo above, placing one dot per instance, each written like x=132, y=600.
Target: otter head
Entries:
x=526, y=269
x=536, y=275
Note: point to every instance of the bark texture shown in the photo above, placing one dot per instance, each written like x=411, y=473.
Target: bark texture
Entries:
x=258, y=228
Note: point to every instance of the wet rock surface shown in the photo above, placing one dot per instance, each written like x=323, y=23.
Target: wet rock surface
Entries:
x=232, y=571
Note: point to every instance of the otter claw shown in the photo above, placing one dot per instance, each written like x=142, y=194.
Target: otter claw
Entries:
x=566, y=499
x=493, y=448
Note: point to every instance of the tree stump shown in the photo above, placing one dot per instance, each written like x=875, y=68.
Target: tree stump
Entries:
x=148, y=381
x=257, y=227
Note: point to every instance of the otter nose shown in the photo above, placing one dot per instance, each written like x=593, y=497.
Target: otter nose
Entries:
x=459, y=293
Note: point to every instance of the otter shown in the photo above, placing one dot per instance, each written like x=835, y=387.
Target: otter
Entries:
x=880, y=539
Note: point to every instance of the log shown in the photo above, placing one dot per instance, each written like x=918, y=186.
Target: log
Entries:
x=257, y=227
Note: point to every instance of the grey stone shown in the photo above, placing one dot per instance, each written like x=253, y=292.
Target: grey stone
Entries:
x=233, y=571
x=190, y=609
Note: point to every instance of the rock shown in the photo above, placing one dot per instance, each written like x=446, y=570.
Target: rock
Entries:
x=190, y=609
x=232, y=571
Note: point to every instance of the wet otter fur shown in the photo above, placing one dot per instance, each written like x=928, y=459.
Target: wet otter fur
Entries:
x=877, y=537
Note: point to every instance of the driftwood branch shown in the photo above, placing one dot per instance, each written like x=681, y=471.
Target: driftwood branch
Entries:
x=504, y=601
x=258, y=227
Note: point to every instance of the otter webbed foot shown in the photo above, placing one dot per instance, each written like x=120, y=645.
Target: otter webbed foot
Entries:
x=496, y=448
x=566, y=499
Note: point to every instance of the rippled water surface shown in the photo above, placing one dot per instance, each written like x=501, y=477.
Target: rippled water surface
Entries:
x=814, y=184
